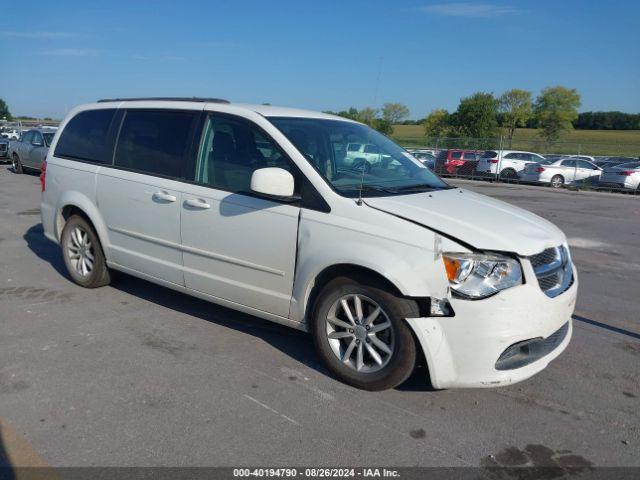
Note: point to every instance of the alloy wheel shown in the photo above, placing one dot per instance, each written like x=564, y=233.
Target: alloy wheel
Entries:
x=360, y=333
x=80, y=252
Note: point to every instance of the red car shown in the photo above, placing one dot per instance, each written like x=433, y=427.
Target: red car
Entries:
x=457, y=162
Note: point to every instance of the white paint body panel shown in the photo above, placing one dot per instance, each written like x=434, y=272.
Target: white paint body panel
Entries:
x=263, y=257
x=241, y=248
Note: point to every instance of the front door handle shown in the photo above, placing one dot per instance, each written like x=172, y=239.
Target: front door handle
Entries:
x=197, y=203
x=164, y=197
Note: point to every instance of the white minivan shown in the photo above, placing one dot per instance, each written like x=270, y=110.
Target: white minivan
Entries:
x=257, y=208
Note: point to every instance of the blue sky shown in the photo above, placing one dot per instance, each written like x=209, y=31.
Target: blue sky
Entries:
x=319, y=54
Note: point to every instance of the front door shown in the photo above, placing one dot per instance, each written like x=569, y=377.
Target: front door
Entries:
x=37, y=152
x=237, y=246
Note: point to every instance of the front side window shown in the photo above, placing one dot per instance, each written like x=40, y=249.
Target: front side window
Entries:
x=231, y=150
x=86, y=137
x=37, y=138
x=456, y=155
x=48, y=138
x=569, y=163
x=324, y=144
x=155, y=141
x=27, y=137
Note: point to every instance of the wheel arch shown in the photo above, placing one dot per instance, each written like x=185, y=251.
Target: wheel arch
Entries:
x=75, y=203
x=358, y=272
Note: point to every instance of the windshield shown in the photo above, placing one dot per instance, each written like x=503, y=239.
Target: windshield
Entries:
x=48, y=138
x=378, y=165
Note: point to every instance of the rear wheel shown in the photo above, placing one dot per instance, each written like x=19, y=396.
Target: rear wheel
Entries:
x=83, y=255
x=509, y=174
x=557, y=181
x=360, y=332
x=17, y=165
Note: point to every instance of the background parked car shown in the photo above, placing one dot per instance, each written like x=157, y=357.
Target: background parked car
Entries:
x=31, y=150
x=456, y=162
x=625, y=176
x=426, y=158
x=508, y=162
x=4, y=149
x=561, y=172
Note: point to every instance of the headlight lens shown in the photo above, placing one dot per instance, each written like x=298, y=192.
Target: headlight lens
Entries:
x=477, y=275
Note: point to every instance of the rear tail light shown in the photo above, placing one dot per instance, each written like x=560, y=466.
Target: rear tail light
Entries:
x=495, y=160
x=540, y=169
x=43, y=175
x=626, y=173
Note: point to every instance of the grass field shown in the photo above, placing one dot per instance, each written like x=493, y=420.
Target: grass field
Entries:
x=588, y=142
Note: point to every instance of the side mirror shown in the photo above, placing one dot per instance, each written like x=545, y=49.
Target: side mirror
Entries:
x=273, y=182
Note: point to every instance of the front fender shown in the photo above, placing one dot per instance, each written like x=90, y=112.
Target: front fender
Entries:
x=414, y=270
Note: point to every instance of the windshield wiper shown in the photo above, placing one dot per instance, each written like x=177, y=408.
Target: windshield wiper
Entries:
x=419, y=188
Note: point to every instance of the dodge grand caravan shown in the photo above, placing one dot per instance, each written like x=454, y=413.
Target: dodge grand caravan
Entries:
x=258, y=208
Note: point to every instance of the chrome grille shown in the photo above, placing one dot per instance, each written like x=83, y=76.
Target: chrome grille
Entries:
x=553, y=270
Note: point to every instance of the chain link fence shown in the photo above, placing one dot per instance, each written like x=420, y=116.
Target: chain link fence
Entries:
x=593, y=166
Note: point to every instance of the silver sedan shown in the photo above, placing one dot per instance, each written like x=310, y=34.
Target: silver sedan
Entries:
x=625, y=176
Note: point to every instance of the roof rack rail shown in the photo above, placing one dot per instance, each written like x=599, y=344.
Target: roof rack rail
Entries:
x=172, y=99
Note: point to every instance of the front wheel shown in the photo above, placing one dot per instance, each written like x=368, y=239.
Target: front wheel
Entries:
x=83, y=255
x=16, y=164
x=360, y=332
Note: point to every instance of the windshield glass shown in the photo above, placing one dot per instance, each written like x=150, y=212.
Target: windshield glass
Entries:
x=48, y=138
x=378, y=164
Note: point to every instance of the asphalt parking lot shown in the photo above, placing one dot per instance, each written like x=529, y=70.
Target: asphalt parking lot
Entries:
x=136, y=374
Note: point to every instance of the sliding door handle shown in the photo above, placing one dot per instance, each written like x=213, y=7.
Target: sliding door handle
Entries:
x=197, y=203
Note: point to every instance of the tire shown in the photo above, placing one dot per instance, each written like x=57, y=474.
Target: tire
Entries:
x=509, y=173
x=391, y=369
x=89, y=268
x=557, y=181
x=17, y=165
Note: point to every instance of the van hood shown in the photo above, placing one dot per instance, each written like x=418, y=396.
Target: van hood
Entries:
x=477, y=220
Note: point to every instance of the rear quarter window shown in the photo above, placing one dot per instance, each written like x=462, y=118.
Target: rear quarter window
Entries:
x=86, y=137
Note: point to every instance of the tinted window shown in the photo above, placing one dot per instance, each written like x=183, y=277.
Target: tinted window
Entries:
x=569, y=163
x=489, y=154
x=353, y=147
x=456, y=155
x=27, y=137
x=470, y=156
x=230, y=152
x=511, y=155
x=86, y=137
x=37, y=138
x=154, y=141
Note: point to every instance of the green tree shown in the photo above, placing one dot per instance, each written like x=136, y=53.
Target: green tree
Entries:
x=4, y=111
x=367, y=116
x=476, y=117
x=515, y=107
x=383, y=125
x=437, y=123
x=556, y=109
x=394, y=113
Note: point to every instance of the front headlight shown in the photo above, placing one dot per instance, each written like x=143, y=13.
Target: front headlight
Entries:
x=478, y=275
